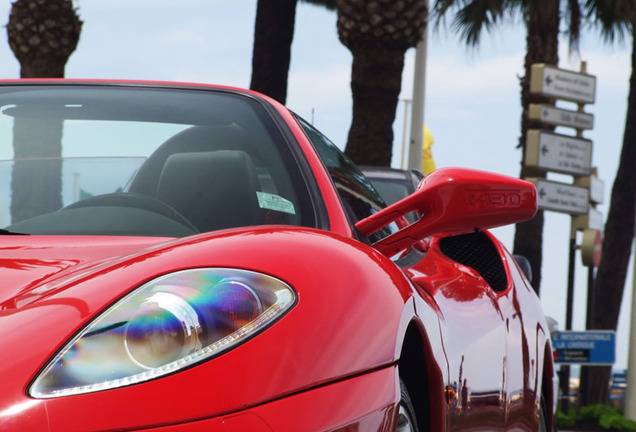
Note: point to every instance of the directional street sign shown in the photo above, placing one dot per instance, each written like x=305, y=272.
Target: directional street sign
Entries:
x=551, y=115
x=596, y=347
x=561, y=197
x=558, y=153
x=558, y=83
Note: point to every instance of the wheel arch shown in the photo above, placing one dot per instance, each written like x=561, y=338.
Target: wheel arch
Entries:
x=549, y=384
x=423, y=378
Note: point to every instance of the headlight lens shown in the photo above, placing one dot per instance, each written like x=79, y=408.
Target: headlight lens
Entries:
x=165, y=325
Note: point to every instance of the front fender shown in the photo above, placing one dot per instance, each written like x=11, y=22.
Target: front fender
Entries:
x=353, y=308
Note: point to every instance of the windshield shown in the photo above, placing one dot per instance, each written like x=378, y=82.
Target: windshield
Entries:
x=115, y=160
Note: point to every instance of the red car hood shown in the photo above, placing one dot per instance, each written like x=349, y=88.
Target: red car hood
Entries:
x=52, y=286
x=27, y=263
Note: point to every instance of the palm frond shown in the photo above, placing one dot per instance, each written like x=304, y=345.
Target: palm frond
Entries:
x=477, y=16
x=473, y=16
x=613, y=18
x=573, y=19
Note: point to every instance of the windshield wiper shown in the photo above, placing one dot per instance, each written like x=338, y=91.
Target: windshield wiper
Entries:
x=7, y=232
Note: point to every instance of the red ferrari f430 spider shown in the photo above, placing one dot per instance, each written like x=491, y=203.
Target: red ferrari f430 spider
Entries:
x=179, y=257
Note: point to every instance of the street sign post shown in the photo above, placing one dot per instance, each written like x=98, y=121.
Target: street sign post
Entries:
x=592, y=247
x=592, y=219
x=561, y=197
x=596, y=187
x=558, y=83
x=559, y=153
x=549, y=114
x=596, y=347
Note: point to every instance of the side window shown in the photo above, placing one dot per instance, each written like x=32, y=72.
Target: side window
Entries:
x=357, y=195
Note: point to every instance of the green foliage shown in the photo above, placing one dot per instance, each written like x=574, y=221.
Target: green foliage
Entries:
x=595, y=412
x=617, y=422
x=607, y=418
x=565, y=420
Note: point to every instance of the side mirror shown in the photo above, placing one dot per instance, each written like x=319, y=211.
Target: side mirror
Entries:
x=454, y=201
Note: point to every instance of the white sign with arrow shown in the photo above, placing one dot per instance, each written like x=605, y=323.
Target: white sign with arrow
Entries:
x=558, y=83
x=551, y=115
x=558, y=153
x=562, y=197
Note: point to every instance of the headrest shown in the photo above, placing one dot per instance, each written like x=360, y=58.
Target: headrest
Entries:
x=193, y=139
x=213, y=190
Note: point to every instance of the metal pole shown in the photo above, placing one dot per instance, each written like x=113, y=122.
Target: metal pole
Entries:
x=417, y=109
x=564, y=374
x=591, y=292
x=565, y=369
x=584, y=389
x=406, y=118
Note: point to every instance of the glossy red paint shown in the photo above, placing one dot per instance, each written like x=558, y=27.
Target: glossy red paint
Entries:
x=501, y=388
x=341, y=344
x=38, y=260
x=471, y=349
x=364, y=403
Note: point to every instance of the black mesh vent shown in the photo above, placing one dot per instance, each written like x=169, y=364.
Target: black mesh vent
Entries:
x=476, y=250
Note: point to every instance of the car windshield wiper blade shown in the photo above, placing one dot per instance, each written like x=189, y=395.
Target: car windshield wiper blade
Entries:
x=7, y=232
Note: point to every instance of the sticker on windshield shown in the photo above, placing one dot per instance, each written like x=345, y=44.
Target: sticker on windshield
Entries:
x=275, y=202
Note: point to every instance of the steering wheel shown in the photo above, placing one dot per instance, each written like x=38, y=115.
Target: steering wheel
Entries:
x=134, y=200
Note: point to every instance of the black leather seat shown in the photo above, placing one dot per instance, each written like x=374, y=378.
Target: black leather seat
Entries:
x=193, y=139
x=213, y=190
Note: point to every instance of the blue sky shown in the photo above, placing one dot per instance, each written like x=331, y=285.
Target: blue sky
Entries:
x=472, y=102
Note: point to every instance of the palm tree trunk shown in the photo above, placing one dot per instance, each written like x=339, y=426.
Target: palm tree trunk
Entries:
x=42, y=36
x=273, y=35
x=619, y=232
x=36, y=180
x=542, y=47
x=376, y=78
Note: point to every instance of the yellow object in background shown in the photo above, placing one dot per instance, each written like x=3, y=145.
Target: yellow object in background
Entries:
x=428, y=162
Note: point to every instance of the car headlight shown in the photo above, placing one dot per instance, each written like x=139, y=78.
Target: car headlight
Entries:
x=163, y=326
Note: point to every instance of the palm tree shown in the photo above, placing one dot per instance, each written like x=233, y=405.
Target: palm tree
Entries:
x=615, y=18
x=273, y=35
x=42, y=35
x=377, y=33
